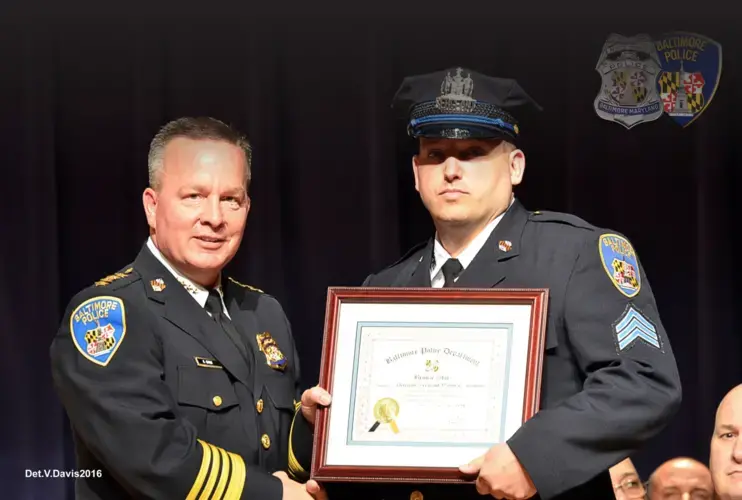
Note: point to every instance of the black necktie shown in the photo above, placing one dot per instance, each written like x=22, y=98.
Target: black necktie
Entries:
x=451, y=270
x=214, y=307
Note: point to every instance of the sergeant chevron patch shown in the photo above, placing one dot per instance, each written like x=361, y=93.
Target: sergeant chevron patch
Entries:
x=633, y=326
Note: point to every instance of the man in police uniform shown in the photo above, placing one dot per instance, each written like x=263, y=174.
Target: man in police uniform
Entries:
x=610, y=380
x=180, y=382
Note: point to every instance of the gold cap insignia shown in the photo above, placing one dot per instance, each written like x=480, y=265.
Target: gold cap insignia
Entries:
x=273, y=355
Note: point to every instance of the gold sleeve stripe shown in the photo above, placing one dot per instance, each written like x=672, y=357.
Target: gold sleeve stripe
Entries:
x=205, y=464
x=215, y=470
x=223, y=472
x=294, y=465
x=226, y=470
x=237, y=481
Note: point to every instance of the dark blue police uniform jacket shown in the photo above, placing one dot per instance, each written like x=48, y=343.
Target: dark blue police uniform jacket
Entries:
x=162, y=403
x=606, y=388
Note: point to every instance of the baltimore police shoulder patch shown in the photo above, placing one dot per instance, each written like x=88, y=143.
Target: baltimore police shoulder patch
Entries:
x=620, y=263
x=98, y=327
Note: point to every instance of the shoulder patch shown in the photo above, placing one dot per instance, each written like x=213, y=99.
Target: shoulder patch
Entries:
x=245, y=286
x=560, y=217
x=113, y=277
x=98, y=327
x=620, y=263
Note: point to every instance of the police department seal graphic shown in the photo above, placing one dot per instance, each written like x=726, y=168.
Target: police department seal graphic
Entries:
x=629, y=67
x=690, y=74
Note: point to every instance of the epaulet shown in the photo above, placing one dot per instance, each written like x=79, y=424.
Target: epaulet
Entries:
x=410, y=252
x=560, y=218
x=245, y=286
x=116, y=280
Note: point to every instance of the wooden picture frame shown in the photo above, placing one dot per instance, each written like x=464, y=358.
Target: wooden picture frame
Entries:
x=424, y=379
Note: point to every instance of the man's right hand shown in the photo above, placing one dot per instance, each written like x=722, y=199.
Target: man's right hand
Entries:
x=297, y=491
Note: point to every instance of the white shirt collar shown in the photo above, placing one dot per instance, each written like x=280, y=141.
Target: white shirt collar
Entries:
x=198, y=292
x=467, y=255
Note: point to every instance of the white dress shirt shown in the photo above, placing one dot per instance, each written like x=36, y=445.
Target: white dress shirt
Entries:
x=199, y=293
x=440, y=255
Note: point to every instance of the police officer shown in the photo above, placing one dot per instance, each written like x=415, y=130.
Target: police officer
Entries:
x=610, y=380
x=180, y=382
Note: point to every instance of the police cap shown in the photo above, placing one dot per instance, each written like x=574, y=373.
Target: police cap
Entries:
x=458, y=103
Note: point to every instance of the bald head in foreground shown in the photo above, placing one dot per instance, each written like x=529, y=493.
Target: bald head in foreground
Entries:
x=681, y=478
x=726, y=447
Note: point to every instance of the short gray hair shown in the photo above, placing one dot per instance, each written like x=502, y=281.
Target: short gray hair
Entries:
x=205, y=128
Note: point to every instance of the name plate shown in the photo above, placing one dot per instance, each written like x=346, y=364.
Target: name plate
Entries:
x=424, y=380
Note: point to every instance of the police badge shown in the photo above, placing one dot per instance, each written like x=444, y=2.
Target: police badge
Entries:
x=691, y=70
x=628, y=67
x=273, y=355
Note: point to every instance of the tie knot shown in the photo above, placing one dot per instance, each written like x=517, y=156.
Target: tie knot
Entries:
x=451, y=270
x=214, y=302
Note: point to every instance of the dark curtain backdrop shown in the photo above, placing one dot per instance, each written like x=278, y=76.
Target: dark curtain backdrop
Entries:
x=84, y=89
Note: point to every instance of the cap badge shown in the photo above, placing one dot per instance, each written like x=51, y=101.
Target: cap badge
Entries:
x=456, y=93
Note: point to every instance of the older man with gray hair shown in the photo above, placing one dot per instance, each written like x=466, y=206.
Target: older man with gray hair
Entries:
x=179, y=381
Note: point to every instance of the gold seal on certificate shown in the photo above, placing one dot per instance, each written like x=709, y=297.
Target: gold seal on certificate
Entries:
x=424, y=380
x=385, y=412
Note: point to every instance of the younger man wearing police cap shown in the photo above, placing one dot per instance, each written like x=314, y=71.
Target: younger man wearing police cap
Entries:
x=610, y=380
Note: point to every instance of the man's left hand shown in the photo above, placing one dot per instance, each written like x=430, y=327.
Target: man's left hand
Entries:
x=311, y=399
x=500, y=474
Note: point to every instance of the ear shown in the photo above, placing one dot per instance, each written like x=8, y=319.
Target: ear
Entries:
x=415, y=172
x=517, y=166
x=149, y=200
x=247, y=205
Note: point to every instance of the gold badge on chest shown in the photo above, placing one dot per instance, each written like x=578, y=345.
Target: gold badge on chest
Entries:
x=273, y=355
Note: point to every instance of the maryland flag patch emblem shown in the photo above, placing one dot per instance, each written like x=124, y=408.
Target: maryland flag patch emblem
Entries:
x=98, y=326
x=620, y=263
x=690, y=75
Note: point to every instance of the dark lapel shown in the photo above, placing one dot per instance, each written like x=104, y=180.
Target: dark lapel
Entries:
x=241, y=306
x=416, y=272
x=491, y=265
x=182, y=310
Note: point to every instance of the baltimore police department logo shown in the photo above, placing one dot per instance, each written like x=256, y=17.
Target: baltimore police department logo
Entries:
x=620, y=262
x=691, y=70
x=628, y=67
x=98, y=326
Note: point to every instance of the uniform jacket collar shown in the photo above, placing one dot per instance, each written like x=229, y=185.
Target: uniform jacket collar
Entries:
x=491, y=265
x=178, y=307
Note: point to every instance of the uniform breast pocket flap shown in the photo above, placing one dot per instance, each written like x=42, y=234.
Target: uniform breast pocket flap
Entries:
x=281, y=391
x=205, y=388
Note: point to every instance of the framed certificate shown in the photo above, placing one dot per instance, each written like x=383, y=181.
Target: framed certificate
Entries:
x=424, y=380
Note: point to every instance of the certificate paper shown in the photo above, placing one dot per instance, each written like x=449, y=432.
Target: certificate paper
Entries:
x=439, y=383
x=425, y=380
